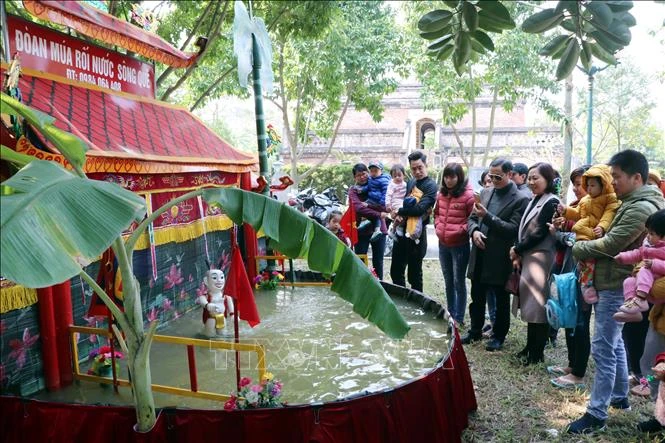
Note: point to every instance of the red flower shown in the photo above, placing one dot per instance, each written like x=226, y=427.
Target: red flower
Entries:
x=245, y=381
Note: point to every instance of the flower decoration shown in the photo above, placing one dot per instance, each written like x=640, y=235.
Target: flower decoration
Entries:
x=20, y=347
x=266, y=394
x=173, y=278
x=268, y=280
x=102, y=361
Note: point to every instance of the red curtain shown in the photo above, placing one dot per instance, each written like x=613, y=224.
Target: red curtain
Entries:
x=433, y=408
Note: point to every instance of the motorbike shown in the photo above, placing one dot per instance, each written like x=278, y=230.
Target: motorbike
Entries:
x=319, y=206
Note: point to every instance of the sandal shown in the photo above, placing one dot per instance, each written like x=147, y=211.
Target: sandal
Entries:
x=562, y=383
x=557, y=370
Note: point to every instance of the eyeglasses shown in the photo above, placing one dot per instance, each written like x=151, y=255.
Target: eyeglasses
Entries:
x=496, y=177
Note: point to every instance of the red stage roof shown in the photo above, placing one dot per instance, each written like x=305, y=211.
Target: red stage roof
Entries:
x=126, y=126
x=92, y=22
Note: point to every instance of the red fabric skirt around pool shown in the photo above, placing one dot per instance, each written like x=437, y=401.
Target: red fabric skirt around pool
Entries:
x=432, y=408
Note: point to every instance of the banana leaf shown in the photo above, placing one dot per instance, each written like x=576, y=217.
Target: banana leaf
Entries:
x=54, y=218
x=72, y=147
x=15, y=157
x=300, y=236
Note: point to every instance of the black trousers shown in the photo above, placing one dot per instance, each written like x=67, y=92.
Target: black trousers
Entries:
x=479, y=293
x=634, y=335
x=406, y=253
x=578, y=340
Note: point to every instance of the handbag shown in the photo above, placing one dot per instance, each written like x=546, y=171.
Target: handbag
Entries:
x=513, y=283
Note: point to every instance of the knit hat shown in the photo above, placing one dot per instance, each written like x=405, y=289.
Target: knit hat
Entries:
x=375, y=164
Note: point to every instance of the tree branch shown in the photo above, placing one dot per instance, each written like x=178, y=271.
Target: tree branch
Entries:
x=215, y=34
x=197, y=25
x=210, y=89
x=276, y=19
x=460, y=143
x=332, y=139
x=274, y=102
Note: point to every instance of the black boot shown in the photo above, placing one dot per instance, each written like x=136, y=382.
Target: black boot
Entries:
x=470, y=337
x=539, y=336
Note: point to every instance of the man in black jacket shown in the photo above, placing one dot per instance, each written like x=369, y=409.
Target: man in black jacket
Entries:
x=406, y=251
x=493, y=229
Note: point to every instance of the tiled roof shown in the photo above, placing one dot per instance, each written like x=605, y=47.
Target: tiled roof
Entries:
x=122, y=125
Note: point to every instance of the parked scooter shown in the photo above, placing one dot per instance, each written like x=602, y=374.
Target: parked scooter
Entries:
x=319, y=206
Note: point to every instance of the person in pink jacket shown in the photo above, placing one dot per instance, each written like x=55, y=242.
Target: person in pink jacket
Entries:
x=651, y=255
x=453, y=207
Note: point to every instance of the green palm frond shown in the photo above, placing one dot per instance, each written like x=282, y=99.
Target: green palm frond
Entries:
x=296, y=235
x=53, y=217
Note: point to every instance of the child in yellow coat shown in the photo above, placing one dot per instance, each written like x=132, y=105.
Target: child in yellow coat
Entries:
x=593, y=216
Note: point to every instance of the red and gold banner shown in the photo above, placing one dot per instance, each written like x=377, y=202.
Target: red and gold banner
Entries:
x=96, y=165
x=109, y=29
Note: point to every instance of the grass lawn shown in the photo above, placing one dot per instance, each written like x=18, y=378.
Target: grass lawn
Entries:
x=519, y=404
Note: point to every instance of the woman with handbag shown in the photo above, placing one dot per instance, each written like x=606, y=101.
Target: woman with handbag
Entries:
x=534, y=255
x=578, y=342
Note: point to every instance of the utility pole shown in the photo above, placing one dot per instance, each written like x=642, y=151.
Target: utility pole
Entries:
x=589, y=121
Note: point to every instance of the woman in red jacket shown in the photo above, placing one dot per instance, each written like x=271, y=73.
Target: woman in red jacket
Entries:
x=453, y=207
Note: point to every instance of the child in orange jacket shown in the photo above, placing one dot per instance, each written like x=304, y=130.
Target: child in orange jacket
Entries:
x=593, y=216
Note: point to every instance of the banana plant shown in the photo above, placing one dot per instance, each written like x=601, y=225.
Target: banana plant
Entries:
x=53, y=219
x=589, y=29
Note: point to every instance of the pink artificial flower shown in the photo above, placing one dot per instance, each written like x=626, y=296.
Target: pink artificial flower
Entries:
x=202, y=290
x=257, y=388
x=190, y=278
x=176, y=315
x=230, y=405
x=245, y=381
x=152, y=315
x=226, y=260
x=167, y=305
x=173, y=278
x=183, y=294
x=275, y=272
x=20, y=347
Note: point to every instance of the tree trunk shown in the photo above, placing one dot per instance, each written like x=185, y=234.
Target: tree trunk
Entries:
x=473, y=127
x=141, y=379
x=567, y=136
x=490, y=130
x=332, y=139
